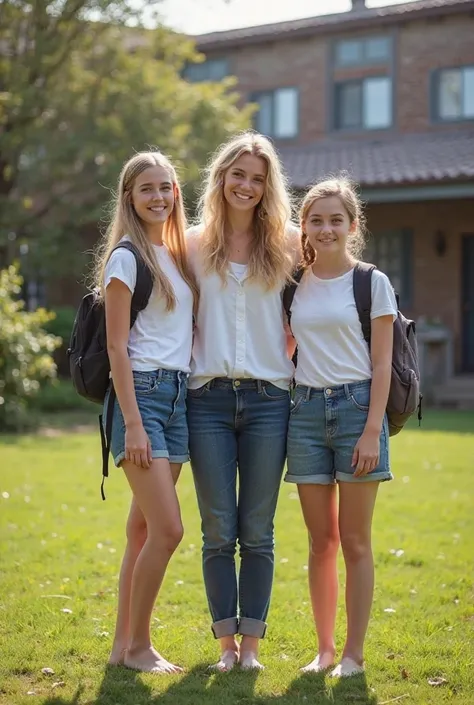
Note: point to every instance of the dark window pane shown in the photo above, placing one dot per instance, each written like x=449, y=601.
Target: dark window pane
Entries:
x=349, y=105
x=391, y=251
x=264, y=117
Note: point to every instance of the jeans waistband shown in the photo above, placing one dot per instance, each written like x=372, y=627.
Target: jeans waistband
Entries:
x=236, y=384
x=160, y=374
x=338, y=390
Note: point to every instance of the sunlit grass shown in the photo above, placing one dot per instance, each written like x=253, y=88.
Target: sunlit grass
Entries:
x=60, y=554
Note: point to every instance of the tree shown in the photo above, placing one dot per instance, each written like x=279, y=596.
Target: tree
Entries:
x=80, y=90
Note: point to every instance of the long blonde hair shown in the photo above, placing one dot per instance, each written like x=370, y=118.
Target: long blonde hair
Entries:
x=269, y=260
x=125, y=221
x=344, y=189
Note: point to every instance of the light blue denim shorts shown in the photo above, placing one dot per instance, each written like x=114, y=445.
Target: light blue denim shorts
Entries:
x=161, y=398
x=325, y=425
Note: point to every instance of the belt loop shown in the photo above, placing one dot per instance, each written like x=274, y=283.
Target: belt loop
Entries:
x=260, y=386
x=308, y=393
x=160, y=375
x=347, y=391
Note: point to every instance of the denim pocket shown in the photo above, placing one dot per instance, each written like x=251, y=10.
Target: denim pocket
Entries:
x=296, y=402
x=144, y=382
x=196, y=393
x=360, y=397
x=271, y=391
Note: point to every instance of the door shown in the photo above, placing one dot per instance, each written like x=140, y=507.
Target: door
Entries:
x=468, y=303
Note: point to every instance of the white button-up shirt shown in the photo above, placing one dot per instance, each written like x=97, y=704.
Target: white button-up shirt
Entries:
x=240, y=328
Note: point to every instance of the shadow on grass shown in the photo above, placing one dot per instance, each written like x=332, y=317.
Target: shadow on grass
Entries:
x=121, y=686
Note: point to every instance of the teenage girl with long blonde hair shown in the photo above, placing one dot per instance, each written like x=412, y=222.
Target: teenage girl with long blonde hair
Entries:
x=149, y=369
x=242, y=253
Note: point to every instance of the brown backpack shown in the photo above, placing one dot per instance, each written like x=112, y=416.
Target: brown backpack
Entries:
x=404, y=398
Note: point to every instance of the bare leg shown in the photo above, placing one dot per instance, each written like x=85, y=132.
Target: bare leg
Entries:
x=155, y=494
x=249, y=653
x=136, y=537
x=319, y=505
x=356, y=508
x=229, y=654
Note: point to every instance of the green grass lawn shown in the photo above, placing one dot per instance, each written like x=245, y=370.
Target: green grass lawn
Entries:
x=60, y=554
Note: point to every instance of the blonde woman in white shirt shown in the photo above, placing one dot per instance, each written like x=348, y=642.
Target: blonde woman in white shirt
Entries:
x=238, y=395
x=338, y=433
x=149, y=368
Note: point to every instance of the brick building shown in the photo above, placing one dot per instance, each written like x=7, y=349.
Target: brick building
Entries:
x=388, y=95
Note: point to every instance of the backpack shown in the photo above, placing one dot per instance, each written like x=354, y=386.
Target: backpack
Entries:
x=89, y=363
x=404, y=398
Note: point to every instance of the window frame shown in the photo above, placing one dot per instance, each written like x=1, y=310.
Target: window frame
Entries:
x=202, y=64
x=364, y=62
x=361, y=127
x=405, y=274
x=256, y=96
x=435, y=86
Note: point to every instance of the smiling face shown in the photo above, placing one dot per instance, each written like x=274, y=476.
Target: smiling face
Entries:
x=328, y=225
x=244, y=182
x=153, y=196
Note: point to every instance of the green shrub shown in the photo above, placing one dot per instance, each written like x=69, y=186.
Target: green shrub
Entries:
x=25, y=352
x=60, y=395
x=62, y=323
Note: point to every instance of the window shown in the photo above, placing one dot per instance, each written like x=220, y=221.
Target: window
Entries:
x=277, y=114
x=361, y=52
x=209, y=70
x=364, y=104
x=392, y=252
x=454, y=94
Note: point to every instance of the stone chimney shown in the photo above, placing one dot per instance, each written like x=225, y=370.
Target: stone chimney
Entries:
x=358, y=5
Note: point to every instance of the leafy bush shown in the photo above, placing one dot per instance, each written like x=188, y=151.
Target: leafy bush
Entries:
x=62, y=322
x=60, y=395
x=25, y=352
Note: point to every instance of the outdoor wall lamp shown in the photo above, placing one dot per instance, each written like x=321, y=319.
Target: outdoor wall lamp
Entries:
x=440, y=243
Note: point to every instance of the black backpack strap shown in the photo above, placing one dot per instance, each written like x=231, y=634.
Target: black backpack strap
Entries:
x=362, y=286
x=290, y=290
x=144, y=283
x=106, y=436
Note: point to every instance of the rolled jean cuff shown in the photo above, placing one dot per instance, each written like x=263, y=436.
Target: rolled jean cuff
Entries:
x=225, y=627
x=252, y=627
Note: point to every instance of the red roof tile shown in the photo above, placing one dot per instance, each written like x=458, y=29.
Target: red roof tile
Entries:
x=401, y=159
x=342, y=20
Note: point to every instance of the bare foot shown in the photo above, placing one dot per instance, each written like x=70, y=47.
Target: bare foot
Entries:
x=227, y=661
x=248, y=661
x=320, y=663
x=117, y=654
x=149, y=661
x=347, y=667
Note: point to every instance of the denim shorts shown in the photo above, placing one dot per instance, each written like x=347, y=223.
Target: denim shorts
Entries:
x=161, y=398
x=325, y=425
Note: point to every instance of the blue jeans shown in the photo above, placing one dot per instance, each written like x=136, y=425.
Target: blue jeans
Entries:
x=238, y=426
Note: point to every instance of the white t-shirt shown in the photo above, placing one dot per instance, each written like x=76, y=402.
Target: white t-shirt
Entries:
x=240, y=329
x=159, y=339
x=325, y=323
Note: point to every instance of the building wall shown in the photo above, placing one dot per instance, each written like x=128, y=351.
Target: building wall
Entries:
x=420, y=47
x=436, y=280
